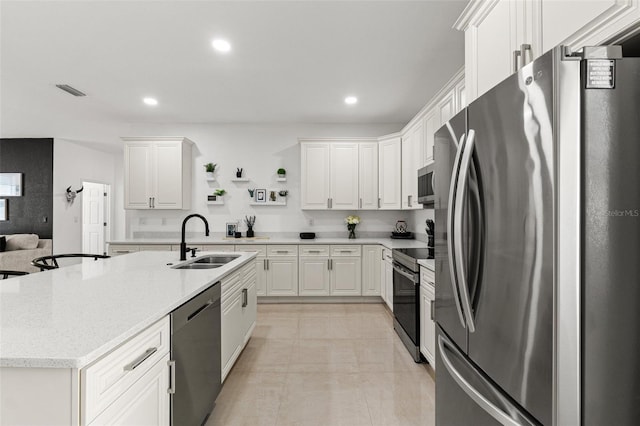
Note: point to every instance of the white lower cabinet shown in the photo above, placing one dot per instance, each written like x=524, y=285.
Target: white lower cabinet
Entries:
x=314, y=276
x=346, y=276
x=388, y=280
x=282, y=276
x=427, y=324
x=371, y=260
x=238, y=317
x=146, y=402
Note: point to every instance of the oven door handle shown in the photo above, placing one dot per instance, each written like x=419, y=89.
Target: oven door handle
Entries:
x=414, y=278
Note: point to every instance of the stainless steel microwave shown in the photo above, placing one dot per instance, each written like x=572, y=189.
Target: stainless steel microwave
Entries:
x=426, y=194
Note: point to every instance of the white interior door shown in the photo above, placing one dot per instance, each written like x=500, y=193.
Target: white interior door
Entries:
x=93, y=217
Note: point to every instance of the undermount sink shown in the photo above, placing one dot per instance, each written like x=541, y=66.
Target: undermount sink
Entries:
x=208, y=262
x=217, y=259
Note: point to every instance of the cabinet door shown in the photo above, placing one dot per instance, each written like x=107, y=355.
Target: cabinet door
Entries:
x=261, y=276
x=314, y=276
x=344, y=176
x=371, y=259
x=232, y=331
x=383, y=278
x=368, y=176
x=137, y=175
x=315, y=176
x=346, y=276
x=410, y=160
x=388, y=277
x=390, y=174
x=489, y=46
x=250, y=310
x=146, y=402
x=461, y=97
x=431, y=125
x=578, y=23
x=282, y=276
x=427, y=326
x=167, y=175
x=447, y=106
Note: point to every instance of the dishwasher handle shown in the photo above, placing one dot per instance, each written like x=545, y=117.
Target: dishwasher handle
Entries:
x=195, y=308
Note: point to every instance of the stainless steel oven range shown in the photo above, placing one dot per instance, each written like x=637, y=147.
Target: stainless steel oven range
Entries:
x=406, y=297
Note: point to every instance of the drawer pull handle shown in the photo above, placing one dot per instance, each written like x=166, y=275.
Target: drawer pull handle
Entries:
x=314, y=251
x=282, y=251
x=347, y=251
x=142, y=358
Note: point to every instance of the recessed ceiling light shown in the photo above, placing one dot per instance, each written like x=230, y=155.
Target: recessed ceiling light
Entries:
x=350, y=100
x=221, y=45
x=150, y=101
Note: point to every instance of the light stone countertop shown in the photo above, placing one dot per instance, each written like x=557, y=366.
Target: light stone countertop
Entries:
x=69, y=317
x=386, y=242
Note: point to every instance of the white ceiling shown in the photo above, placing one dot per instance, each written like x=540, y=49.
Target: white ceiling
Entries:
x=292, y=61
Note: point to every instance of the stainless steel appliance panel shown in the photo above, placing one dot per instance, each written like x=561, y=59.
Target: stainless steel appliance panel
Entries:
x=406, y=306
x=512, y=297
x=465, y=396
x=611, y=243
x=447, y=304
x=196, y=350
x=426, y=194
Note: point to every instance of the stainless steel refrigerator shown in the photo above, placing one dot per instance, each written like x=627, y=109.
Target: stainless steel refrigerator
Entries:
x=538, y=247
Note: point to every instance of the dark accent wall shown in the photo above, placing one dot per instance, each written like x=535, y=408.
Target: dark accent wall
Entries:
x=33, y=212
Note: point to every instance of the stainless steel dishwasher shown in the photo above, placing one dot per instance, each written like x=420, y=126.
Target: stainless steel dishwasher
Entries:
x=195, y=358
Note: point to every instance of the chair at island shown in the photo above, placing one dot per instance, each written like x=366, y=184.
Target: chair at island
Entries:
x=46, y=263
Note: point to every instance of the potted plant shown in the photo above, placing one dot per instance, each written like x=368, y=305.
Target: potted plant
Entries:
x=239, y=172
x=351, y=222
x=217, y=193
x=210, y=168
x=282, y=172
x=250, y=221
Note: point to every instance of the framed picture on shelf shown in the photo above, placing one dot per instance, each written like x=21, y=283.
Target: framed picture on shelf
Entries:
x=261, y=195
x=232, y=227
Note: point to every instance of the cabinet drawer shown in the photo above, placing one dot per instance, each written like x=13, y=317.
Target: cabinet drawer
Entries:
x=154, y=247
x=218, y=247
x=258, y=248
x=118, y=249
x=278, y=250
x=313, y=250
x=427, y=276
x=108, y=378
x=338, y=251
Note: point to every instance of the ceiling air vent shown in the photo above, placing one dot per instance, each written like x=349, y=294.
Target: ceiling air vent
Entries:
x=69, y=89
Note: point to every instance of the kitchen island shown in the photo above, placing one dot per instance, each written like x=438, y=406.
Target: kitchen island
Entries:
x=55, y=325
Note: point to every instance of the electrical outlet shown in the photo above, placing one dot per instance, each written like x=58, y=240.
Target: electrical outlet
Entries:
x=310, y=221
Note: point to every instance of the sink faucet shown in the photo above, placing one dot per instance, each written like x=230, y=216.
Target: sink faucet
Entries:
x=183, y=244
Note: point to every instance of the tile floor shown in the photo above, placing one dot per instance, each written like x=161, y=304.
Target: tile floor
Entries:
x=325, y=365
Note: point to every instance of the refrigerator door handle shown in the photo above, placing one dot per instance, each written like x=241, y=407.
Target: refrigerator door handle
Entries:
x=496, y=412
x=458, y=219
x=450, y=228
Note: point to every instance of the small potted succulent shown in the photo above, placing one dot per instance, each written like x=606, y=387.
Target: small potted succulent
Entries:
x=282, y=173
x=209, y=169
x=218, y=193
x=238, y=172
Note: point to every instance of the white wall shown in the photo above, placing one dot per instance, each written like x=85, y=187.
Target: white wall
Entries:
x=72, y=164
x=260, y=149
x=418, y=224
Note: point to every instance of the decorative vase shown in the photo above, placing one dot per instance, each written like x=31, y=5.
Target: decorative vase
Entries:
x=352, y=231
x=250, y=232
x=282, y=176
x=210, y=175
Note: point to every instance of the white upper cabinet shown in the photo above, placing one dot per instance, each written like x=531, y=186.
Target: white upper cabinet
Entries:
x=578, y=23
x=447, y=106
x=503, y=35
x=315, y=175
x=344, y=176
x=389, y=173
x=412, y=143
x=368, y=176
x=157, y=173
x=495, y=33
x=431, y=125
x=339, y=174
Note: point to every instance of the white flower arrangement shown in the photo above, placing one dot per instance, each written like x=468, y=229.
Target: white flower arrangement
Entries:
x=352, y=220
